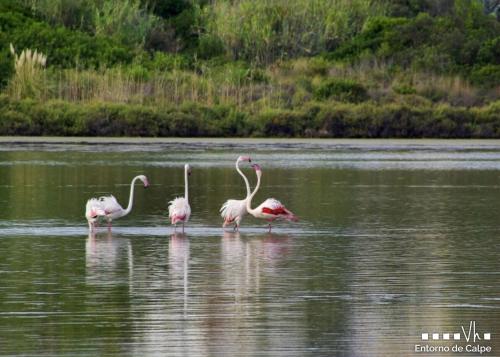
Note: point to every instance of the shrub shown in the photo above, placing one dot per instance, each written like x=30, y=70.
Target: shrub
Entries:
x=167, y=8
x=490, y=51
x=6, y=66
x=210, y=46
x=370, y=39
x=125, y=20
x=28, y=117
x=76, y=14
x=404, y=89
x=64, y=47
x=487, y=76
x=167, y=61
x=281, y=123
x=344, y=90
x=14, y=122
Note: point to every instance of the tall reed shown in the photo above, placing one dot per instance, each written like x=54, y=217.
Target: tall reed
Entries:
x=29, y=79
x=266, y=30
x=161, y=88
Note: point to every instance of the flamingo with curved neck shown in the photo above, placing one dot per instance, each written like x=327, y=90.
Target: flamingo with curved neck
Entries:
x=271, y=209
x=240, y=159
x=179, y=209
x=112, y=209
x=232, y=210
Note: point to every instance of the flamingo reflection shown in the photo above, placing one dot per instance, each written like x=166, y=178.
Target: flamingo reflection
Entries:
x=103, y=258
x=178, y=261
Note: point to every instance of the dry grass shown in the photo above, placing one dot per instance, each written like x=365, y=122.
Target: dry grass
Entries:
x=175, y=87
x=285, y=85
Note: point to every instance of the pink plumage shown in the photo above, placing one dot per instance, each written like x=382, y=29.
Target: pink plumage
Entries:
x=271, y=209
x=179, y=209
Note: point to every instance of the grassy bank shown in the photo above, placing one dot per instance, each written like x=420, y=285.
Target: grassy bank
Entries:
x=298, y=68
x=347, y=120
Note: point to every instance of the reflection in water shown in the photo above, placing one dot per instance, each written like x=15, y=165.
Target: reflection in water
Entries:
x=246, y=264
x=103, y=257
x=395, y=240
x=243, y=259
x=178, y=262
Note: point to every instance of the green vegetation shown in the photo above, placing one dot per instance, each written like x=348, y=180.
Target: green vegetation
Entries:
x=313, y=68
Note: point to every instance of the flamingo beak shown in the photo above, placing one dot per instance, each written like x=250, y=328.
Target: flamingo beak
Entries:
x=146, y=184
x=256, y=167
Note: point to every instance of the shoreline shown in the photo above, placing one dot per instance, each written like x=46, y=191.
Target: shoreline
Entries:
x=222, y=140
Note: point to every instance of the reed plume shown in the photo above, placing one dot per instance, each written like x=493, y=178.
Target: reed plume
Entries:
x=29, y=78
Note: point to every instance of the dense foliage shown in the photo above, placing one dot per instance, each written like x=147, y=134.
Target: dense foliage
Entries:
x=318, y=120
x=252, y=67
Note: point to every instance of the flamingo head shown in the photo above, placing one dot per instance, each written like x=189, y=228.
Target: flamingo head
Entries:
x=244, y=158
x=94, y=214
x=257, y=169
x=187, y=168
x=144, y=180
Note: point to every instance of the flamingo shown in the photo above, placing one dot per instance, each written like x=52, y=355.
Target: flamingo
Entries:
x=233, y=210
x=93, y=210
x=111, y=207
x=179, y=209
x=271, y=209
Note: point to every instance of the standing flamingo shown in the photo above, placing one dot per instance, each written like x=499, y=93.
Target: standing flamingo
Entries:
x=271, y=209
x=233, y=210
x=93, y=210
x=111, y=207
x=179, y=209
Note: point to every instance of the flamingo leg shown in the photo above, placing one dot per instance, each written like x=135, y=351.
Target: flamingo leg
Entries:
x=269, y=227
x=182, y=227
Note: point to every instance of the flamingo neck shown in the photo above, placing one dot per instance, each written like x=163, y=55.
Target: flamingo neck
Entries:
x=186, y=184
x=249, y=198
x=247, y=184
x=131, y=197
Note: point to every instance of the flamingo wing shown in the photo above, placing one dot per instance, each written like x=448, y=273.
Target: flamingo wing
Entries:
x=179, y=210
x=273, y=207
x=232, y=209
x=110, y=205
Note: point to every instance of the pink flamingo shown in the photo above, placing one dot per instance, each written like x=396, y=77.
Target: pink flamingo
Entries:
x=233, y=211
x=93, y=210
x=179, y=209
x=111, y=207
x=271, y=209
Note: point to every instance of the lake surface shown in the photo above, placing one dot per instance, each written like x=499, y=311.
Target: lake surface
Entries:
x=396, y=239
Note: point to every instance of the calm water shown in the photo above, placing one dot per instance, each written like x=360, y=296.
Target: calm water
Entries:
x=396, y=238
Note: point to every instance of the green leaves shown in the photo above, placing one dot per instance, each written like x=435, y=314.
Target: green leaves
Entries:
x=344, y=90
